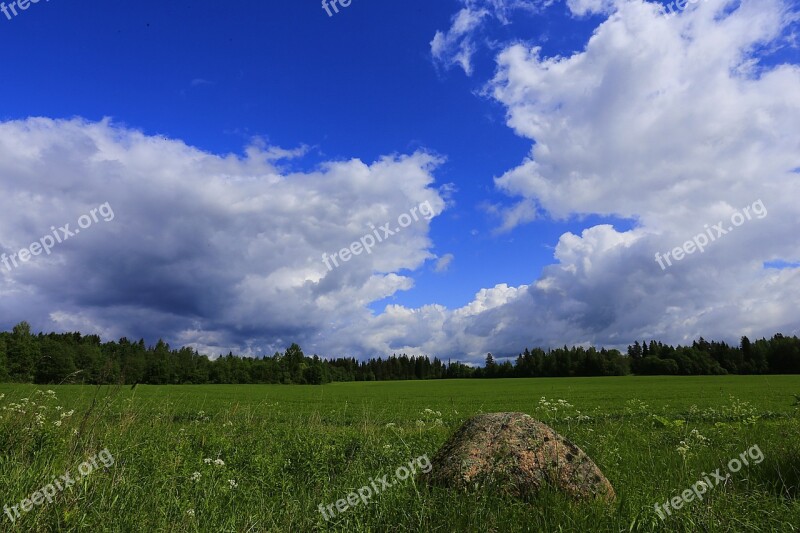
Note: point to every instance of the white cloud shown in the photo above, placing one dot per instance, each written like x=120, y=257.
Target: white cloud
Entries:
x=443, y=263
x=214, y=251
x=673, y=123
x=591, y=7
x=457, y=45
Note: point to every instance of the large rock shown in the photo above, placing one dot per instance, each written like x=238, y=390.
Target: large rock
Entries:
x=517, y=455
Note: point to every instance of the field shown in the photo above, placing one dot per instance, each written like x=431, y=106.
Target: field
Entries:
x=263, y=458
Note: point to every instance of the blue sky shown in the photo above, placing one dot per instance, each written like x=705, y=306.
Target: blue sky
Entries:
x=367, y=84
x=357, y=85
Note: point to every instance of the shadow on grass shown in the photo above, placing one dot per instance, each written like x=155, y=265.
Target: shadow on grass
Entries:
x=780, y=475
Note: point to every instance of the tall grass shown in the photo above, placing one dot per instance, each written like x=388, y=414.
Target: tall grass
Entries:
x=262, y=458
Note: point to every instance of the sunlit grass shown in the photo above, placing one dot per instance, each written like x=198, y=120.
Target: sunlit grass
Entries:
x=262, y=458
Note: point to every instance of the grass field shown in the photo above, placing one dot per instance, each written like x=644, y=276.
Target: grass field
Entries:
x=288, y=449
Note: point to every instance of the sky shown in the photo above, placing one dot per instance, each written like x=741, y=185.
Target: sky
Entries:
x=579, y=172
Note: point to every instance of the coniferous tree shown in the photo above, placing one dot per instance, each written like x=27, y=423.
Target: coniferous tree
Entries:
x=23, y=353
x=3, y=359
x=71, y=357
x=490, y=367
x=55, y=364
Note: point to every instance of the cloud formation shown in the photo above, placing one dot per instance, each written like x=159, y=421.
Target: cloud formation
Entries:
x=457, y=45
x=672, y=123
x=217, y=252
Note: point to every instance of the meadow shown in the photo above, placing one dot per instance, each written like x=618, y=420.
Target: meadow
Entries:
x=264, y=457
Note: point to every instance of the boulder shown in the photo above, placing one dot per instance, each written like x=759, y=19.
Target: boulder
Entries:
x=518, y=456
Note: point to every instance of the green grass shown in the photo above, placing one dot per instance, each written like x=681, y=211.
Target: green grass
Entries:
x=290, y=449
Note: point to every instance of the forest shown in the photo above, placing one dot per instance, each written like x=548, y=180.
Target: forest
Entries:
x=67, y=358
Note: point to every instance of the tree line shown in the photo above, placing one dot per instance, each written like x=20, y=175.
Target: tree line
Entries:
x=55, y=358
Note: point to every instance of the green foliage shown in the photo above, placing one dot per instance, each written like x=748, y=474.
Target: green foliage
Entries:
x=55, y=364
x=23, y=353
x=75, y=358
x=3, y=358
x=664, y=422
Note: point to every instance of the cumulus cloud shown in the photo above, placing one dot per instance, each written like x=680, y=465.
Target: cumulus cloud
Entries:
x=672, y=123
x=657, y=116
x=675, y=123
x=216, y=252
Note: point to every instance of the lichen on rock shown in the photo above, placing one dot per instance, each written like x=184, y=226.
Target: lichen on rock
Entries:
x=519, y=456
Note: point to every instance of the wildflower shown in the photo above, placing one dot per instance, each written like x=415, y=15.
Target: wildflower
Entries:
x=68, y=413
x=57, y=423
x=219, y=462
x=233, y=483
x=683, y=448
x=420, y=423
x=196, y=476
x=390, y=425
x=698, y=437
x=190, y=512
x=207, y=461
